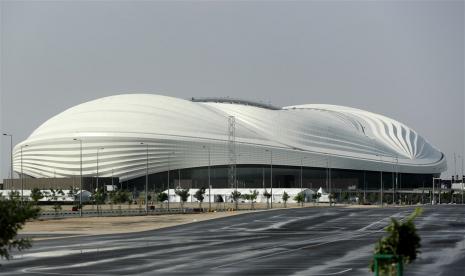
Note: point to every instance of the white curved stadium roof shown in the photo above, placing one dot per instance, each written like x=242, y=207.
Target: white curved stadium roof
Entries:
x=179, y=133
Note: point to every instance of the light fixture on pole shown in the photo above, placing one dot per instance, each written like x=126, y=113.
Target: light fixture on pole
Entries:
x=22, y=175
x=80, y=194
x=146, y=178
x=11, y=155
x=209, y=183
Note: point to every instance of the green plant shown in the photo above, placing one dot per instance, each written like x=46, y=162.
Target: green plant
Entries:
x=162, y=197
x=285, y=199
x=235, y=196
x=199, y=195
x=36, y=195
x=54, y=194
x=13, y=216
x=183, y=195
x=402, y=243
x=251, y=197
x=268, y=196
x=99, y=198
x=300, y=198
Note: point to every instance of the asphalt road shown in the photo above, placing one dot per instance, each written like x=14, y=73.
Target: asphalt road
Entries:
x=309, y=241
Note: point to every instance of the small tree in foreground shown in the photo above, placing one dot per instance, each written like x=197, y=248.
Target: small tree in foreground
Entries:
x=268, y=196
x=183, y=195
x=300, y=198
x=285, y=199
x=251, y=197
x=36, y=195
x=13, y=216
x=235, y=196
x=402, y=243
x=162, y=197
x=199, y=195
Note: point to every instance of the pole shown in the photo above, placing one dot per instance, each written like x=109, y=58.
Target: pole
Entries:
x=381, y=180
x=169, y=167
x=80, y=194
x=209, y=183
x=433, y=201
x=22, y=176
x=98, y=149
x=146, y=178
x=271, y=177
x=301, y=165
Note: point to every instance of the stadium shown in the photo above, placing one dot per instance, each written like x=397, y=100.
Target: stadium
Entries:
x=227, y=143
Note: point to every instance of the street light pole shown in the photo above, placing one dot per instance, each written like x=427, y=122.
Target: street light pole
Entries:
x=80, y=194
x=301, y=165
x=11, y=155
x=22, y=176
x=209, y=185
x=271, y=176
x=146, y=178
x=169, y=168
x=98, y=149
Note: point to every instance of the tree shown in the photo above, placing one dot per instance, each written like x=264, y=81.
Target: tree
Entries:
x=235, y=196
x=253, y=197
x=331, y=198
x=268, y=196
x=36, y=195
x=300, y=198
x=285, y=199
x=199, y=195
x=402, y=243
x=183, y=195
x=99, y=197
x=119, y=197
x=73, y=192
x=162, y=197
x=56, y=201
x=316, y=197
x=14, y=216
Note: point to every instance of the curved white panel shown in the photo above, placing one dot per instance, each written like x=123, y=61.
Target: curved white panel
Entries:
x=179, y=134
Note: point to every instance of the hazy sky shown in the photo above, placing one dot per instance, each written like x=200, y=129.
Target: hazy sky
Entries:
x=401, y=59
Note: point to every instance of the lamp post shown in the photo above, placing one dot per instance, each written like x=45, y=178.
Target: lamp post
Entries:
x=146, y=178
x=11, y=155
x=381, y=178
x=209, y=184
x=301, y=172
x=80, y=194
x=169, y=168
x=271, y=176
x=98, y=149
x=22, y=175
x=397, y=175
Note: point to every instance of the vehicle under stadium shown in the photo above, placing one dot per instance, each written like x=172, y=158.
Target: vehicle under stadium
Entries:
x=228, y=143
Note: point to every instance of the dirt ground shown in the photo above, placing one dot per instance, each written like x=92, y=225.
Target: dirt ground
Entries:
x=113, y=225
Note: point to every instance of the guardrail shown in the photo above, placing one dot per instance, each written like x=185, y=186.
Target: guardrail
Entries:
x=117, y=212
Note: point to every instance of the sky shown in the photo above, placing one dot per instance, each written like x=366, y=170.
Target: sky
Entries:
x=402, y=59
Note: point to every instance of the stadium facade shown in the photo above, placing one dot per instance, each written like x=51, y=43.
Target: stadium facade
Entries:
x=306, y=146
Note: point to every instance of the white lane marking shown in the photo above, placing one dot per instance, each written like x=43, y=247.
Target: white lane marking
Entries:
x=36, y=270
x=335, y=273
x=346, y=236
